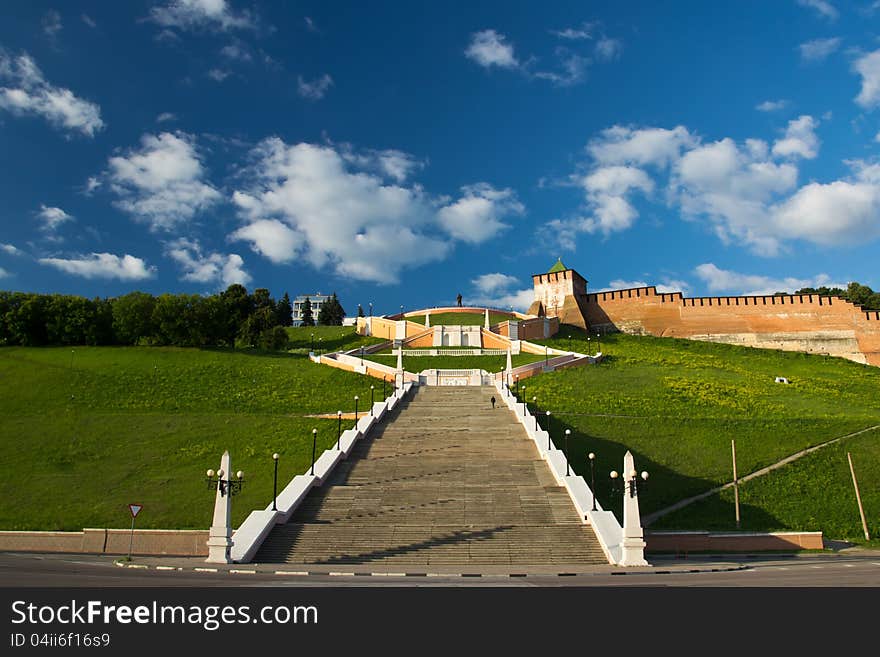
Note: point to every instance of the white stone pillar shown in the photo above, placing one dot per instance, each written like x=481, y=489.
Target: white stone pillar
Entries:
x=427, y=319
x=220, y=536
x=399, y=365
x=633, y=546
x=487, y=318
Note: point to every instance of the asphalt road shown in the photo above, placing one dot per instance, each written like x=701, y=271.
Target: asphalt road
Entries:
x=44, y=570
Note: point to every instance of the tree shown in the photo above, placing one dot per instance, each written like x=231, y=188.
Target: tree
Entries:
x=254, y=326
x=306, y=313
x=332, y=313
x=238, y=307
x=274, y=339
x=284, y=311
x=133, y=317
x=262, y=299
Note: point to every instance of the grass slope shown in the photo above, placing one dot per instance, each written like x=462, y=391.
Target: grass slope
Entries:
x=85, y=432
x=461, y=319
x=677, y=404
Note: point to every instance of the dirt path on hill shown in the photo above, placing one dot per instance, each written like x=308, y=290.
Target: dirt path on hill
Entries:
x=650, y=518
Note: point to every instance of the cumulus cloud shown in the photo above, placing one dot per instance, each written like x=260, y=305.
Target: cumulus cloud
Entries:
x=161, y=183
x=868, y=66
x=489, y=48
x=571, y=69
x=29, y=93
x=220, y=270
x=314, y=90
x=640, y=146
x=4, y=273
x=348, y=211
x=666, y=287
x=499, y=291
x=51, y=24
x=476, y=216
x=800, y=139
x=822, y=7
x=771, y=105
x=236, y=50
x=212, y=15
x=724, y=280
x=608, y=48
x=606, y=190
x=818, y=49
x=103, y=265
x=164, y=117
x=52, y=218
x=11, y=249
x=585, y=31
x=88, y=20
x=219, y=74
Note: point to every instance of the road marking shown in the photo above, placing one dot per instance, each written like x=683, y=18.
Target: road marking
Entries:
x=817, y=567
x=291, y=572
x=244, y=572
x=781, y=568
x=849, y=565
x=205, y=570
x=164, y=567
x=137, y=565
x=388, y=574
x=335, y=574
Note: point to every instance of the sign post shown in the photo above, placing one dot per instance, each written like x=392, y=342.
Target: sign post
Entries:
x=134, y=509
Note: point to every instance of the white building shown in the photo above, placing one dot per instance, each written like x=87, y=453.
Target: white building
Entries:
x=316, y=301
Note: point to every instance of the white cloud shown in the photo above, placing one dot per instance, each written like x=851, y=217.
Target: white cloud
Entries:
x=52, y=218
x=88, y=20
x=608, y=49
x=800, y=139
x=585, y=31
x=52, y=24
x=818, y=49
x=236, y=51
x=219, y=74
x=607, y=189
x=10, y=249
x=30, y=93
x=201, y=14
x=103, y=265
x=271, y=239
x=92, y=184
x=311, y=26
x=497, y=290
x=489, y=48
x=572, y=69
x=314, y=90
x=666, y=287
x=4, y=273
x=824, y=8
x=161, y=183
x=643, y=146
x=724, y=280
x=166, y=116
x=476, y=216
x=771, y=105
x=868, y=66
x=219, y=269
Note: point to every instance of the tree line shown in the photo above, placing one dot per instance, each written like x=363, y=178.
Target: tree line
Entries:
x=229, y=318
x=856, y=293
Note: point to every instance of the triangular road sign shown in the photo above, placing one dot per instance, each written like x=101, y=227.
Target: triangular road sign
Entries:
x=135, y=509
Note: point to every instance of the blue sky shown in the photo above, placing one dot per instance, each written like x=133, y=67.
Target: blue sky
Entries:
x=401, y=153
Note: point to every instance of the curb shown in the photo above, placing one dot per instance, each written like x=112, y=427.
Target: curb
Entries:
x=467, y=575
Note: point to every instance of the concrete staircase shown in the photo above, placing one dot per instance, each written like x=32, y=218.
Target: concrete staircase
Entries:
x=445, y=480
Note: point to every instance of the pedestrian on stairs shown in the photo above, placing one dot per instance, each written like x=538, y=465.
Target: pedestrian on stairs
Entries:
x=493, y=402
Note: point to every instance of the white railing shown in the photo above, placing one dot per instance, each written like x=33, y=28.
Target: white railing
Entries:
x=455, y=352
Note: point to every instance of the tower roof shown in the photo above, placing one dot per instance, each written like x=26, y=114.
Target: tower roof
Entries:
x=559, y=266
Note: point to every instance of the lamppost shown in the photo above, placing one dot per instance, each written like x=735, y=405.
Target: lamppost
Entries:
x=549, y=439
x=401, y=311
x=589, y=345
x=227, y=486
x=630, y=484
x=545, y=355
x=312, y=342
x=384, y=396
x=362, y=356
x=371, y=400
x=567, y=469
x=535, y=404
x=371, y=308
x=275, y=484
x=592, y=458
x=339, y=431
x=320, y=346
x=598, y=343
x=314, y=444
x=355, y=409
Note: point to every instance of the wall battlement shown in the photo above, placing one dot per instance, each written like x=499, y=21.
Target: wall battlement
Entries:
x=795, y=322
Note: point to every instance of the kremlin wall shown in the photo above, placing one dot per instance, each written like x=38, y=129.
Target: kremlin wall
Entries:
x=808, y=322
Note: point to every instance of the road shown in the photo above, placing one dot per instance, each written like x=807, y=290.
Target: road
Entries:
x=33, y=570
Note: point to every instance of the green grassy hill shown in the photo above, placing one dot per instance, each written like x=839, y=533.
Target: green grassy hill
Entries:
x=462, y=318
x=677, y=404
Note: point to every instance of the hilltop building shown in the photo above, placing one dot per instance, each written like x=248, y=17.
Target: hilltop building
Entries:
x=316, y=300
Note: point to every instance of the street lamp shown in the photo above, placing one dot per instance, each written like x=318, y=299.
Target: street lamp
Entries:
x=549, y=439
x=630, y=484
x=384, y=396
x=320, y=346
x=371, y=308
x=275, y=484
x=312, y=341
x=371, y=399
x=362, y=356
x=356, y=409
x=545, y=355
x=535, y=404
x=567, y=469
x=314, y=444
x=592, y=458
x=339, y=431
x=598, y=343
x=227, y=486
